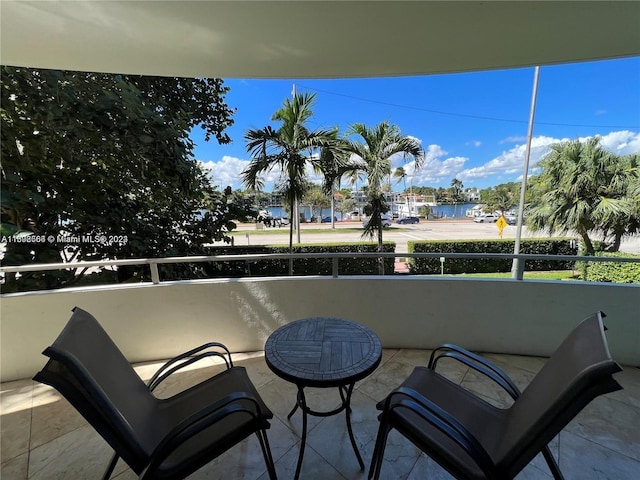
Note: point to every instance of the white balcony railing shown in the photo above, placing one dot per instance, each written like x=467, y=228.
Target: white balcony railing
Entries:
x=158, y=319
x=155, y=275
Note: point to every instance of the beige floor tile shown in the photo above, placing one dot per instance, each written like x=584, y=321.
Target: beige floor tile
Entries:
x=629, y=379
x=581, y=459
x=399, y=459
x=609, y=423
x=80, y=454
x=16, y=468
x=52, y=416
x=390, y=375
x=331, y=438
x=16, y=399
x=314, y=467
x=603, y=442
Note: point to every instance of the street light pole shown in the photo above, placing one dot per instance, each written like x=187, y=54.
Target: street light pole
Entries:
x=296, y=206
x=517, y=270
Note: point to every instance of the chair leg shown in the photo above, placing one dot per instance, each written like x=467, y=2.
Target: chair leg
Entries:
x=266, y=453
x=553, y=465
x=110, y=467
x=378, y=450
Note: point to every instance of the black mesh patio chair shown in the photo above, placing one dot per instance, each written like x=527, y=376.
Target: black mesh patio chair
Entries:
x=158, y=438
x=472, y=439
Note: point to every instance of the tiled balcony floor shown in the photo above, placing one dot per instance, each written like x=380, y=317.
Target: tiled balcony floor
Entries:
x=44, y=438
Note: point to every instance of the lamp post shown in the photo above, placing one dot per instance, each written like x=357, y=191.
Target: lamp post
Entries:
x=517, y=270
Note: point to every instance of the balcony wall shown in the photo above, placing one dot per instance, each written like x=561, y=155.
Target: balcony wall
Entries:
x=150, y=322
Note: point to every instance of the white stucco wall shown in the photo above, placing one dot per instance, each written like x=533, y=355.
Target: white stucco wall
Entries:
x=151, y=322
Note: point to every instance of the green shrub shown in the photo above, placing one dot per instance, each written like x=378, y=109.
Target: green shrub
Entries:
x=552, y=246
x=611, y=271
x=301, y=266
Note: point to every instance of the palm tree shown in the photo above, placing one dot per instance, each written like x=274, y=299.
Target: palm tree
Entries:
x=288, y=149
x=624, y=182
x=501, y=199
x=333, y=164
x=457, y=187
x=401, y=174
x=585, y=189
x=371, y=155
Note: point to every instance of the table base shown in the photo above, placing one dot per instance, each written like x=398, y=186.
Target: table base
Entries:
x=345, y=396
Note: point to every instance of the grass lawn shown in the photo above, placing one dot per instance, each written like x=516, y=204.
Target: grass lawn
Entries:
x=551, y=275
x=271, y=231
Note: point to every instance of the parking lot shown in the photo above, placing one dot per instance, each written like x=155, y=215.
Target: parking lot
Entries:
x=400, y=234
x=248, y=234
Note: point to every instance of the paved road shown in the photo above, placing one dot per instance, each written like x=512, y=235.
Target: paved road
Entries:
x=401, y=234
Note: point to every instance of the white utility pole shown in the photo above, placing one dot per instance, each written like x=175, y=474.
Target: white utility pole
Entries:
x=296, y=208
x=517, y=270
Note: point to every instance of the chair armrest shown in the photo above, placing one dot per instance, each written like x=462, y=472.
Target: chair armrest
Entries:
x=187, y=358
x=445, y=423
x=476, y=362
x=231, y=404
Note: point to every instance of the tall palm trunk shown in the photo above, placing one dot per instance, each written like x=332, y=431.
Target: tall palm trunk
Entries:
x=588, y=245
x=293, y=218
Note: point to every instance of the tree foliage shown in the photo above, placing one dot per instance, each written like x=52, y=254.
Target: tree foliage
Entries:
x=586, y=189
x=107, y=157
x=289, y=149
x=371, y=154
x=456, y=189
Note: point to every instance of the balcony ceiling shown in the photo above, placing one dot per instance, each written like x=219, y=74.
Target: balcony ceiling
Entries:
x=312, y=39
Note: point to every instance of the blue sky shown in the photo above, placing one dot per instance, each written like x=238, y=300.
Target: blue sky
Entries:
x=473, y=126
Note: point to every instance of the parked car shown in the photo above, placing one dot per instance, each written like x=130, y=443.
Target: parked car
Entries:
x=511, y=219
x=486, y=218
x=405, y=220
x=386, y=221
x=328, y=219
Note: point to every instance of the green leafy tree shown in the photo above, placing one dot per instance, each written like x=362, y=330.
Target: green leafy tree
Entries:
x=501, y=198
x=289, y=148
x=588, y=190
x=346, y=205
x=98, y=155
x=317, y=200
x=456, y=189
x=371, y=154
x=401, y=174
x=625, y=182
x=334, y=165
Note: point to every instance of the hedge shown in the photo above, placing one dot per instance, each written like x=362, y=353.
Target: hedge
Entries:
x=550, y=246
x=301, y=266
x=613, y=272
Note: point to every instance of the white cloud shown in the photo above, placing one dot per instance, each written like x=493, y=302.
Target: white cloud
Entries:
x=438, y=169
x=511, y=162
x=473, y=143
x=601, y=112
x=435, y=169
x=415, y=138
x=226, y=171
x=621, y=143
x=517, y=139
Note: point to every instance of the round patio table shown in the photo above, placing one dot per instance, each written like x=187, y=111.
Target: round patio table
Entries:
x=323, y=352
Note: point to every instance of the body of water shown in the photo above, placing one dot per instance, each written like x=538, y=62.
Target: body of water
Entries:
x=280, y=212
x=440, y=211
x=452, y=211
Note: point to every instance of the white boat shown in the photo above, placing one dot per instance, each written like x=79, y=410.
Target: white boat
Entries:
x=413, y=205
